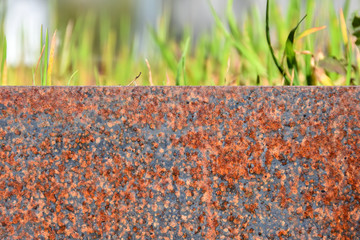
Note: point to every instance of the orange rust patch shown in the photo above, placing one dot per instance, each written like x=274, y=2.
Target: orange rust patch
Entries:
x=187, y=162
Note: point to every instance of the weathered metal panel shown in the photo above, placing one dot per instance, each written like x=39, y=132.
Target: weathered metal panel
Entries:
x=180, y=162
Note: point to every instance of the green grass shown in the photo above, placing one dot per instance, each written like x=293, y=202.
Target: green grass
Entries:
x=3, y=73
x=279, y=49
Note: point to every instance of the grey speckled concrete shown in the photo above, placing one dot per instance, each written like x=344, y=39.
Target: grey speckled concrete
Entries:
x=179, y=162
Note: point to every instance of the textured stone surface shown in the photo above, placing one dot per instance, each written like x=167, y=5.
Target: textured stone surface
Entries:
x=186, y=162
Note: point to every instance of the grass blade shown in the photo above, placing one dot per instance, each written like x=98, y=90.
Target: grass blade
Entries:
x=242, y=48
x=71, y=77
x=309, y=32
x=335, y=37
x=343, y=28
x=290, y=53
x=165, y=50
x=65, y=53
x=3, y=70
x=310, y=79
x=348, y=47
x=51, y=59
x=346, y=8
x=289, y=48
x=181, y=65
x=234, y=30
x=42, y=47
x=45, y=60
x=281, y=70
x=38, y=64
x=349, y=66
x=150, y=75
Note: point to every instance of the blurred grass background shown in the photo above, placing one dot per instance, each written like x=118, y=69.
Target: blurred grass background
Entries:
x=98, y=46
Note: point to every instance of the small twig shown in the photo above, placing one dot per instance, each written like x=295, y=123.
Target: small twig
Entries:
x=136, y=78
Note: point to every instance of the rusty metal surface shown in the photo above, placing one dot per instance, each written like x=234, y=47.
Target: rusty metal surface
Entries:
x=186, y=162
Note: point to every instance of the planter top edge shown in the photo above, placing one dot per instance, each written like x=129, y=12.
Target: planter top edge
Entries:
x=195, y=87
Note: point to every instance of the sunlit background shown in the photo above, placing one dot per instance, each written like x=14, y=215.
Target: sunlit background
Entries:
x=94, y=37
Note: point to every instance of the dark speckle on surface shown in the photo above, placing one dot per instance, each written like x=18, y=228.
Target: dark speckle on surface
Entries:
x=179, y=162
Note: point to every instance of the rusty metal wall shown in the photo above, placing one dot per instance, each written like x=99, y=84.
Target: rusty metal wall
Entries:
x=179, y=162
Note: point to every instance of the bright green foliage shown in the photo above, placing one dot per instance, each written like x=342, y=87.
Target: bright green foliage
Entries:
x=43, y=61
x=3, y=62
x=291, y=55
x=92, y=50
x=181, y=67
x=281, y=69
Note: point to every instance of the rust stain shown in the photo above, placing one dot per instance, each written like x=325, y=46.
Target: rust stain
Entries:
x=180, y=162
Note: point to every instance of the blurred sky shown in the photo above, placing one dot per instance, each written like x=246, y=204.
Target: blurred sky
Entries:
x=23, y=18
